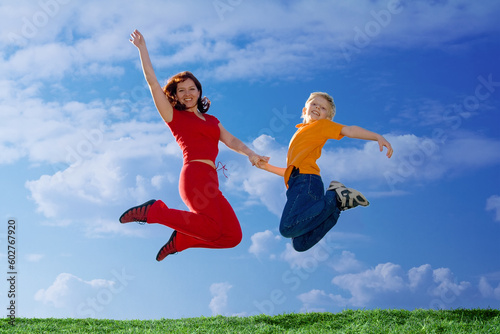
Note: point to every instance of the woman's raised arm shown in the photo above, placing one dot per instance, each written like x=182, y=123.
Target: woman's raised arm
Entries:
x=160, y=99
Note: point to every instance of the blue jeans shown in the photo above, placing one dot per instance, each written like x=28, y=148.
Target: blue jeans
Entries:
x=309, y=212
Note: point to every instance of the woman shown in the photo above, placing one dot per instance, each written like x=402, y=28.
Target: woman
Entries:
x=211, y=221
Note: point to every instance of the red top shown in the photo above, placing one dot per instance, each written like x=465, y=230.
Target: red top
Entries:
x=197, y=138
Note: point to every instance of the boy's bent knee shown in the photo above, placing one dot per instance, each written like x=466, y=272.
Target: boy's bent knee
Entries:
x=300, y=246
x=288, y=231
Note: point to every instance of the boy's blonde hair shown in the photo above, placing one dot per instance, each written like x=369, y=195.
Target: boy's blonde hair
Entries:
x=327, y=97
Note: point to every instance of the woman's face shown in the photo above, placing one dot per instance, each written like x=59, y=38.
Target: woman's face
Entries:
x=187, y=93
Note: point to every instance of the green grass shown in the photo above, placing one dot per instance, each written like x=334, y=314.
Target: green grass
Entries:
x=360, y=321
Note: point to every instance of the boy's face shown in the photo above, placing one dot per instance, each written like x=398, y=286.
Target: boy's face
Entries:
x=318, y=108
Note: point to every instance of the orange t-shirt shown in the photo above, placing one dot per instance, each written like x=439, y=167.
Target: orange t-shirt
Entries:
x=306, y=144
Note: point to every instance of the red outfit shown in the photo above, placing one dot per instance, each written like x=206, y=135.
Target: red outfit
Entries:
x=197, y=138
x=211, y=221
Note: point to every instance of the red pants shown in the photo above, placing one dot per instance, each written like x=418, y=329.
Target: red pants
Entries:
x=211, y=221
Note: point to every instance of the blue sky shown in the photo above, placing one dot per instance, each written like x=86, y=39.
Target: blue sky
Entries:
x=80, y=142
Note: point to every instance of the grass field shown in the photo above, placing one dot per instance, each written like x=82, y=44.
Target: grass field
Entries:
x=373, y=321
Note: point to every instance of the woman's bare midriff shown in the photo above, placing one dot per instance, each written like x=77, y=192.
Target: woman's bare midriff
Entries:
x=208, y=162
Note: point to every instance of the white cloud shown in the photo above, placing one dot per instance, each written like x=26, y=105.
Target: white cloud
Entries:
x=34, y=257
x=487, y=291
x=315, y=301
x=346, y=262
x=445, y=284
x=219, y=293
x=90, y=170
x=72, y=296
x=263, y=243
x=493, y=204
x=236, y=45
x=386, y=277
x=419, y=275
x=68, y=290
x=388, y=285
x=260, y=187
x=325, y=252
x=416, y=159
x=309, y=260
x=97, y=189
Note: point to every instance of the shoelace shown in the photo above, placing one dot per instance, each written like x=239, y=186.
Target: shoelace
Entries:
x=221, y=166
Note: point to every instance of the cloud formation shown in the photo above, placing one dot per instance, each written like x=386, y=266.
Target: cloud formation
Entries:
x=34, y=257
x=388, y=285
x=219, y=292
x=493, y=204
x=235, y=47
x=72, y=296
x=69, y=289
x=263, y=244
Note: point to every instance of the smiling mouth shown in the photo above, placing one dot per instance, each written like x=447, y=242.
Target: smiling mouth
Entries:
x=315, y=113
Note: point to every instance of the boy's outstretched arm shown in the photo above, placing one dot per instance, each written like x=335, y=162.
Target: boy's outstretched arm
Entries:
x=354, y=131
x=270, y=168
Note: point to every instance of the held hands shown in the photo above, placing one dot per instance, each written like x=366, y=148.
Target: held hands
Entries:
x=258, y=160
x=264, y=165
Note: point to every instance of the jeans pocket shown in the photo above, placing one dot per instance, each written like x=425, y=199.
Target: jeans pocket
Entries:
x=315, y=191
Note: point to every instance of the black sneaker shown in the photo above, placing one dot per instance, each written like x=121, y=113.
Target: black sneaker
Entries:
x=137, y=213
x=168, y=248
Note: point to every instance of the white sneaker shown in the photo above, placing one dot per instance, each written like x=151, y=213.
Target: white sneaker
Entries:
x=349, y=198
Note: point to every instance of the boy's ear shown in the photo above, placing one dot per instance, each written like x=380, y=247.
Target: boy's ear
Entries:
x=304, y=110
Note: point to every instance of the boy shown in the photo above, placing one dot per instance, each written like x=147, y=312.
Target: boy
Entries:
x=309, y=212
